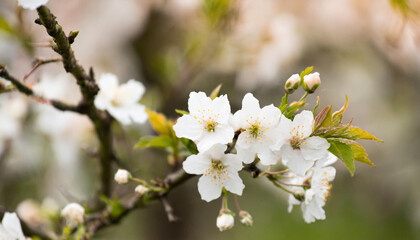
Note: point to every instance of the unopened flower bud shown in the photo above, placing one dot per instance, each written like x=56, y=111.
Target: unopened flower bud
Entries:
x=225, y=221
x=74, y=214
x=292, y=83
x=122, y=176
x=140, y=189
x=246, y=218
x=311, y=82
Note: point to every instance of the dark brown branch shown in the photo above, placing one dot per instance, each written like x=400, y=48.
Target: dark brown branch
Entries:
x=20, y=86
x=89, y=89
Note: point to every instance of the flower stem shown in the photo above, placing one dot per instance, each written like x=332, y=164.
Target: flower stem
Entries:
x=235, y=198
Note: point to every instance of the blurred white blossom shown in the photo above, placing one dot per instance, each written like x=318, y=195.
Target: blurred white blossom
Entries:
x=121, y=101
x=74, y=214
x=32, y=4
x=122, y=176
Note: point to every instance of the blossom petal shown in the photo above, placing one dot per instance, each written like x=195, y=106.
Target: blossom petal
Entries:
x=250, y=103
x=313, y=210
x=12, y=225
x=304, y=120
x=197, y=102
x=247, y=155
x=102, y=102
x=120, y=113
x=294, y=159
x=217, y=151
x=196, y=164
x=138, y=113
x=221, y=108
x=208, y=189
x=222, y=134
x=270, y=115
x=108, y=82
x=188, y=127
x=268, y=157
x=132, y=91
x=234, y=183
x=232, y=161
x=314, y=148
x=292, y=201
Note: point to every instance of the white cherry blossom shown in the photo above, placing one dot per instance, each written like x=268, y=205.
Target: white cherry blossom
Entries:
x=299, y=151
x=260, y=131
x=314, y=198
x=121, y=101
x=32, y=4
x=208, y=121
x=218, y=170
x=10, y=227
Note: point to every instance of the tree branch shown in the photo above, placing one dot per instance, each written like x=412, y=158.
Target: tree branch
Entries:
x=101, y=120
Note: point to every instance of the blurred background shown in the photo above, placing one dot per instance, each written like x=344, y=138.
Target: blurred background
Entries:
x=369, y=50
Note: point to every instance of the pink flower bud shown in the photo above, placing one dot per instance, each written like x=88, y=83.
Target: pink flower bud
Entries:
x=292, y=83
x=311, y=82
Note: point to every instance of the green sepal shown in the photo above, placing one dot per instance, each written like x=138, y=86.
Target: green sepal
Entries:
x=189, y=145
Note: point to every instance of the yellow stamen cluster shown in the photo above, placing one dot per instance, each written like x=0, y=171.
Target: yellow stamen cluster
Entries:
x=217, y=172
x=297, y=136
x=256, y=130
x=325, y=186
x=207, y=119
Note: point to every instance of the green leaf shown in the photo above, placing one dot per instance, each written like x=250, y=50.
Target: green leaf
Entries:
x=345, y=131
x=343, y=152
x=181, y=112
x=159, y=122
x=305, y=72
x=215, y=92
x=162, y=141
x=189, y=145
x=359, y=153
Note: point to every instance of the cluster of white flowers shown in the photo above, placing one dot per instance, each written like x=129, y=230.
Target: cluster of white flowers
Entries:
x=262, y=133
x=312, y=200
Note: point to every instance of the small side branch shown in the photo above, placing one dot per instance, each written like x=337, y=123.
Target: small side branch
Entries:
x=40, y=62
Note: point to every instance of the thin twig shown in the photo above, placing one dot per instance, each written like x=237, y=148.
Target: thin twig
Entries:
x=40, y=62
x=168, y=209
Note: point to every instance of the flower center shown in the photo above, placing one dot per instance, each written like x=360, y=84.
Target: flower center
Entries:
x=297, y=137
x=211, y=126
x=255, y=130
x=217, y=172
